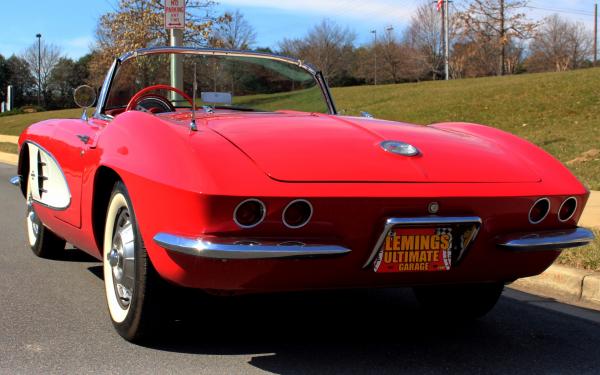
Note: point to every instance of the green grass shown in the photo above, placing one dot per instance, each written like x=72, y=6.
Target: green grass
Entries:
x=8, y=147
x=585, y=257
x=559, y=112
x=309, y=100
x=14, y=125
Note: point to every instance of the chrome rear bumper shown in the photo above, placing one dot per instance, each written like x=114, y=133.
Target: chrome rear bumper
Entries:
x=222, y=248
x=546, y=240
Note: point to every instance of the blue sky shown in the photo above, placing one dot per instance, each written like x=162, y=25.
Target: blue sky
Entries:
x=70, y=24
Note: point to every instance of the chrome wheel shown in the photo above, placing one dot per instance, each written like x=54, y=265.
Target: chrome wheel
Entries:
x=133, y=288
x=121, y=259
x=33, y=227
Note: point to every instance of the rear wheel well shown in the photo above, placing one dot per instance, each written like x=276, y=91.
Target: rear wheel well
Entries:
x=103, y=185
x=23, y=168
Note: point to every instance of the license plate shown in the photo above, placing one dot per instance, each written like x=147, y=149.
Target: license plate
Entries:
x=415, y=250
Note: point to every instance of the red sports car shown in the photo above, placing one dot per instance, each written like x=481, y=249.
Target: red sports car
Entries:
x=232, y=172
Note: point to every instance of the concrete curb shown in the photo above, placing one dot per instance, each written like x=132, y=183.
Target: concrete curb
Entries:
x=9, y=139
x=7, y=158
x=560, y=281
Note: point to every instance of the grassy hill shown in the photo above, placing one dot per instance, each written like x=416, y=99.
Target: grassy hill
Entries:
x=14, y=125
x=560, y=112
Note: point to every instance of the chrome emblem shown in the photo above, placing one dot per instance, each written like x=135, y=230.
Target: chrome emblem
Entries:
x=433, y=207
x=399, y=148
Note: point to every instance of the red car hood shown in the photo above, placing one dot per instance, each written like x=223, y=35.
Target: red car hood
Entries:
x=320, y=148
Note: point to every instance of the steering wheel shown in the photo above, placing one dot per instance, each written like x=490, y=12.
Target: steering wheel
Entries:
x=140, y=95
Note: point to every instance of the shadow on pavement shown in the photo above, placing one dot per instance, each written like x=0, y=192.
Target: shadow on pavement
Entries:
x=76, y=255
x=378, y=331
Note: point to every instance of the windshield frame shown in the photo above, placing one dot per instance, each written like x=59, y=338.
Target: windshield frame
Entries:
x=104, y=92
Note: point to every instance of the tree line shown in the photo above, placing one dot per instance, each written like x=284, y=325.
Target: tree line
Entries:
x=486, y=37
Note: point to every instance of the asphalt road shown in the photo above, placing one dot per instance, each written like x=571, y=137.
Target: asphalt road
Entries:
x=54, y=320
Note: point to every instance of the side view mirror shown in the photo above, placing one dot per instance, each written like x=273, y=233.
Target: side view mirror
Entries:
x=85, y=97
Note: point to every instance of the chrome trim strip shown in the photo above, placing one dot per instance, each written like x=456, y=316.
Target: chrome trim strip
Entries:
x=288, y=206
x=102, y=97
x=572, y=213
x=216, y=52
x=264, y=208
x=318, y=76
x=326, y=92
x=546, y=240
x=543, y=217
x=223, y=248
x=15, y=180
x=418, y=221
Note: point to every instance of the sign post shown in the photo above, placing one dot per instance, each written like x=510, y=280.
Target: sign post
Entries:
x=175, y=23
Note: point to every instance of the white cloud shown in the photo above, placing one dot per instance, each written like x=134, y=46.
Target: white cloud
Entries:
x=374, y=10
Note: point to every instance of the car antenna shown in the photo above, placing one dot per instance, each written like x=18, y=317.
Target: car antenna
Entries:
x=193, y=126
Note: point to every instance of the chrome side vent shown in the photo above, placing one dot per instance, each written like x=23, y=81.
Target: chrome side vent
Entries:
x=40, y=175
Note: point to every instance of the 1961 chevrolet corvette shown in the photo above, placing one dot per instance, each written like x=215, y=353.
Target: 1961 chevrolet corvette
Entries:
x=264, y=187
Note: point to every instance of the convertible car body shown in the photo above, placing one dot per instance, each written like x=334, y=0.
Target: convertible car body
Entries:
x=264, y=187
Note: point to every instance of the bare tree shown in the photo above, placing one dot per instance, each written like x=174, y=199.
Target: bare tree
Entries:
x=497, y=23
x=472, y=58
x=235, y=32
x=398, y=60
x=424, y=34
x=140, y=23
x=43, y=59
x=559, y=45
x=327, y=45
x=391, y=55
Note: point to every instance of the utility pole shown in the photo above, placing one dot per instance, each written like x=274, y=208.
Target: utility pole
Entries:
x=595, y=33
x=446, y=42
x=375, y=53
x=39, y=38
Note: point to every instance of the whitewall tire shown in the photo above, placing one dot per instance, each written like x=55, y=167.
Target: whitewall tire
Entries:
x=43, y=242
x=133, y=287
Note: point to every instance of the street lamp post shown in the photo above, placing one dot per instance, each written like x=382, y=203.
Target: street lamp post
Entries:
x=375, y=56
x=39, y=37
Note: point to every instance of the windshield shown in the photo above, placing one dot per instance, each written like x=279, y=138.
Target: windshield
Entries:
x=239, y=83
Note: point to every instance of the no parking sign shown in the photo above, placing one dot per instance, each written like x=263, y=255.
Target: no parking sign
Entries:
x=174, y=14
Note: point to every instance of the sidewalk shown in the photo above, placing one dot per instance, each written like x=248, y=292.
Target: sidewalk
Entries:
x=9, y=138
x=591, y=215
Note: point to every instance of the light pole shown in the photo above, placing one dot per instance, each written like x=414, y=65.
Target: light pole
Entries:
x=446, y=27
x=375, y=56
x=39, y=37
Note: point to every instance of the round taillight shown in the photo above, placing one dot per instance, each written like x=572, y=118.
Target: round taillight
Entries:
x=249, y=213
x=567, y=209
x=297, y=213
x=539, y=210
